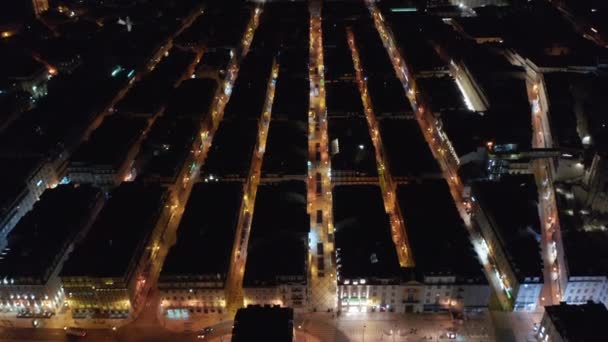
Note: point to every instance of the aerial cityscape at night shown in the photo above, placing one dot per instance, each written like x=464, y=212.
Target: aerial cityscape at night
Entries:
x=304, y=170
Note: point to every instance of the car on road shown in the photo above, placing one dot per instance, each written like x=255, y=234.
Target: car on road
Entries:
x=207, y=330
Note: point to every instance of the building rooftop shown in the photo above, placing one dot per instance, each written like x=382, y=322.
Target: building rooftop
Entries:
x=231, y=149
x=586, y=251
x=110, y=142
x=337, y=60
x=282, y=24
x=216, y=59
x=578, y=322
x=38, y=242
x=263, y=324
x=595, y=111
x=374, y=57
x=407, y=152
x=247, y=99
x=343, y=98
x=119, y=234
x=411, y=37
x=166, y=147
x=518, y=234
x=562, y=111
x=52, y=126
x=150, y=93
x=352, y=149
x=280, y=207
x=443, y=93
x=277, y=245
x=14, y=177
x=227, y=26
x=364, y=247
x=286, y=148
x=388, y=96
x=291, y=98
x=17, y=66
x=440, y=243
x=250, y=89
x=293, y=62
x=192, y=99
x=206, y=232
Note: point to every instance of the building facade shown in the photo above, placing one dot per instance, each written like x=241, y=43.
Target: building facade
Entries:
x=430, y=294
x=187, y=295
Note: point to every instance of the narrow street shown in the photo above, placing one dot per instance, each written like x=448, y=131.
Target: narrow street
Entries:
x=387, y=184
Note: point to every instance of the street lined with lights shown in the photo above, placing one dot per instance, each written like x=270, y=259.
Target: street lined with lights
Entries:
x=448, y=161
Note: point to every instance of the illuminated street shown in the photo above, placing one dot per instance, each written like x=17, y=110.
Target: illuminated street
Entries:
x=319, y=176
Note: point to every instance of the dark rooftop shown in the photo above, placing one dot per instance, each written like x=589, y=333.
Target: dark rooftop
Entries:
x=518, y=234
x=109, y=143
x=581, y=323
x=411, y=37
x=352, y=149
x=231, y=149
x=39, y=240
x=279, y=230
x=406, y=149
x=13, y=179
x=280, y=207
x=338, y=60
x=206, y=232
x=166, y=147
x=373, y=55
x=286, y=148
x=388, y=96
x=294, y=62
x=343, y=98
x=263, y=324
x=193, y=99
x=443, y=93
x=291, y=98
x=562, y=110
x=363, y=234
x=149, y=94
x=119, y=234
x=440, y=243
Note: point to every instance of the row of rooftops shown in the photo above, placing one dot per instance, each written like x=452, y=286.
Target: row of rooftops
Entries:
x=105, y=243
x=166, y=148
x=277, y=250
x=277, y=246
x=439, y=243
x=42, y=236
x=206, y=233
x=218, y=27
x=14, y=179
x=151, y=92
x=109, y=143
x=120, y=233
